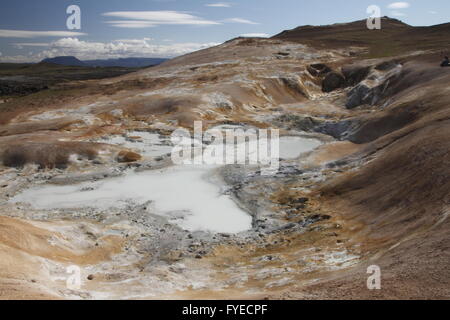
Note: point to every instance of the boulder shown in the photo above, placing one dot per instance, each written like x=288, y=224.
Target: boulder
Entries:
x=362, y=94
x=333, y=81
x=355, y=74
x=318, y=69
x=359, y=95
x=128, y=156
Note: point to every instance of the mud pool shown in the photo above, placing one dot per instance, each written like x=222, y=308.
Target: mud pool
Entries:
x=189, y=196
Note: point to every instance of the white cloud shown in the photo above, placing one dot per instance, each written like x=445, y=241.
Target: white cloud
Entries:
x=31, y=44
x=219, y=5
x=35, y=34
x=240, y=20
x=85, y=50
x=134, y=41
x=132, y=24
x=255, y=35
x=432, y=12
x=146, y=19
x=399, y=5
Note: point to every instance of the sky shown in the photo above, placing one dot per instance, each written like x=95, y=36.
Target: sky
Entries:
x=33, y=30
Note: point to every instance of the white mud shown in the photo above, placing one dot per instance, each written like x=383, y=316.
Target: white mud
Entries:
x=185, y=194
x=147, y=144
x=182, y=193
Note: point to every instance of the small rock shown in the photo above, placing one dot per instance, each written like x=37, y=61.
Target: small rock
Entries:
x=301, y=200
x=332, y=234
x=128, y=156
x=287, y=226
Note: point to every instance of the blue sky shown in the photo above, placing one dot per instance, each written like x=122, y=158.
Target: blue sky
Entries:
x=32, y=30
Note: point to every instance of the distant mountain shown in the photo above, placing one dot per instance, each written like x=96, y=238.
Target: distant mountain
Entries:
x=126, y=62
x=65, y=61
x=121, y=62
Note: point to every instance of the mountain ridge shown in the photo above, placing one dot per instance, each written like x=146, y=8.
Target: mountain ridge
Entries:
x=131, y=62
x=394, y=37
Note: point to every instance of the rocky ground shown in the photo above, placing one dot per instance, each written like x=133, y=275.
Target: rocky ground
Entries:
x=376, y=192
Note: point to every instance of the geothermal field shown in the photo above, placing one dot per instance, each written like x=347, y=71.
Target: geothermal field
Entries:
x=87, y=176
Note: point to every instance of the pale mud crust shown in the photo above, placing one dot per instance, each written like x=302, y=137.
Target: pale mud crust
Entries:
x=375, y=192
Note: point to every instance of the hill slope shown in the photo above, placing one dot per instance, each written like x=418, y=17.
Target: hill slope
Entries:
x=395, y=37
